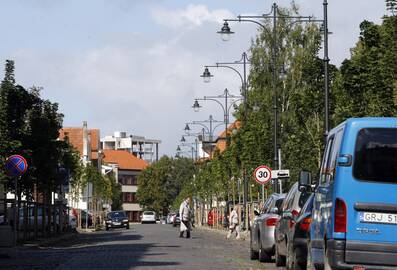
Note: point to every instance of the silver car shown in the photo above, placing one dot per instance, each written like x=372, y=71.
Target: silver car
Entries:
x=262, y=230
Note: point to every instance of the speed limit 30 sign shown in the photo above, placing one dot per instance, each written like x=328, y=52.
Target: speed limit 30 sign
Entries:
x=263, y=174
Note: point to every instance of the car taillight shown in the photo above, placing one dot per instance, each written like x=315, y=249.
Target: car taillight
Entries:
x=271, y=222
x=294, y=213
x=340, y=216
x=305, y=224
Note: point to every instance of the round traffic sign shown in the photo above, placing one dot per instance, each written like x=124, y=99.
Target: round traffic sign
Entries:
x=263, y=174
x=16, y=165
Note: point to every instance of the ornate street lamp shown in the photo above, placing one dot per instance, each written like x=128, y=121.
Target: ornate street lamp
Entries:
x=206, y=75
x=225, y=32
x=196, y=106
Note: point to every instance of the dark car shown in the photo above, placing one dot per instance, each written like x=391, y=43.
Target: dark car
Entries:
x=290, y=210
x=117, y=219
x=297, y=246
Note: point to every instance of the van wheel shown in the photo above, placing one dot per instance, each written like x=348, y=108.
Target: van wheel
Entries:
x=279, y=260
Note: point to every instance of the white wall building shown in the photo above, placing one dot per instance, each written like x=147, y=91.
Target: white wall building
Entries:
x=139, y=146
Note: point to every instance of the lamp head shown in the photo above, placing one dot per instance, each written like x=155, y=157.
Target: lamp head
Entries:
x=178, y=149
x=225, y=32
x=183, y=139
x=187, y=128
x=196, y=106
x=206, y=75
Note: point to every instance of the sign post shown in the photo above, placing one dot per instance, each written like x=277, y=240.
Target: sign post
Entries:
x=263, y=175
x=16, y=166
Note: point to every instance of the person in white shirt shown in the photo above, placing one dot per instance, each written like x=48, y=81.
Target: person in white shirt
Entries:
x=184, y=214
x=233, y=224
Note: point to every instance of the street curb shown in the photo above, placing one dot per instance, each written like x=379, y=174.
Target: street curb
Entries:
x=245, y=235
x=43, y=242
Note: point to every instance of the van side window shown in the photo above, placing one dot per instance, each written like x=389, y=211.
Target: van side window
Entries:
x=324, y=166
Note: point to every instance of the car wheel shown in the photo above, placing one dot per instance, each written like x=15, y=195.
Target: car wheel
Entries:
x=107, y=228
x=296, y=264
x=279, y=260
x=128, y=226
x=264, y=256
x=253, y=254
x=309, y=263
x=290, y=256
x=327, y=266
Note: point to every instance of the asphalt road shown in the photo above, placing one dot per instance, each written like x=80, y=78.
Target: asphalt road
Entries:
x=143, y=247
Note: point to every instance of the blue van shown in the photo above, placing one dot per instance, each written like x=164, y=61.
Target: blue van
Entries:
x=354, y=218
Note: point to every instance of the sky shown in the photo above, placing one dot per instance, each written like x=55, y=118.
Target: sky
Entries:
x=135, y=66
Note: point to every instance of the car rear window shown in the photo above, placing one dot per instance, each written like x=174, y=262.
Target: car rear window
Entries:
x=116, y=214
x=148, y=213
x=375, y=156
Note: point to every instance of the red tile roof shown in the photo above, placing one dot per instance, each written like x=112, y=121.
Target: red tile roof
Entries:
x=124, y=159
x=221, y=142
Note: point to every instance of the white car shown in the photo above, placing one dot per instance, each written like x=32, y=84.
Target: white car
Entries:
x=148, y=217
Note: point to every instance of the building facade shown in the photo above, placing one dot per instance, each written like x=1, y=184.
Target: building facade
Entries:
x=87, y=142
x=128, y=169
x=139, y=146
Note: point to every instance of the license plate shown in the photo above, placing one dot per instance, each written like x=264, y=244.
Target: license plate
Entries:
x=371, y=217
x=117, y=223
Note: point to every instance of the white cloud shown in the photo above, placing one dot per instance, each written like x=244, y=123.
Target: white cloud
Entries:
x=191, y=16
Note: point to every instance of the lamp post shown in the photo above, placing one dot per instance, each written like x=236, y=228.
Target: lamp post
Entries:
x=225, y=106
x=244, y=91
x=179, y=151
x=184, y=143
x=275, y=14
x=209, y=129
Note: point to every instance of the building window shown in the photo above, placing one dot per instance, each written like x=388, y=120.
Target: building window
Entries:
x=128, y=180
x=129, y=197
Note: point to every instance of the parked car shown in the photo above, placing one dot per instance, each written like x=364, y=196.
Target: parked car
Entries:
x=117, y=219
x=176, y=220
x=290, y=210
x=262, y=229
x=170, y=217
x=148, y=217
x=355, y=206
x=297, y=246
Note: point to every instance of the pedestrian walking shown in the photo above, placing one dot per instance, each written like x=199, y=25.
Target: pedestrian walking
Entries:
x=233, y=224
x=184, y=214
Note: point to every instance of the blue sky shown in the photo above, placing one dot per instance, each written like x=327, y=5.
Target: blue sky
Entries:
x=134, y=66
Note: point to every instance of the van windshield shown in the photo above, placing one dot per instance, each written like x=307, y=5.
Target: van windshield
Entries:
x=375, y=157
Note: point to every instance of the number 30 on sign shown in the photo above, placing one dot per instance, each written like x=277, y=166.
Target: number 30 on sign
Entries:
x=263, y=174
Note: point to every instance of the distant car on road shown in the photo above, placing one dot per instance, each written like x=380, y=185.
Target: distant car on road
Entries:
x=148, y=217
x=117, y=219
x=176, y=220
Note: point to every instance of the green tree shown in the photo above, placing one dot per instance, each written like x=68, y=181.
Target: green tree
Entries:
x=367, y=85
x=161, y=183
